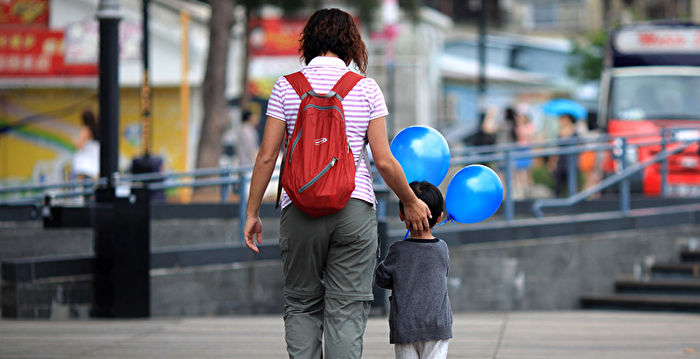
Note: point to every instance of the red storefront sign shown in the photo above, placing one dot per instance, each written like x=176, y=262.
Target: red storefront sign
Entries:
x=275, y=37
x=24, y=12
x=37, y=53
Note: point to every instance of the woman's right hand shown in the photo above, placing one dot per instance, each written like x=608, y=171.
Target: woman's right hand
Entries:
x=252, y=232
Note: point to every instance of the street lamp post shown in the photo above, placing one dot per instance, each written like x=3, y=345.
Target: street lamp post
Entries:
x=481, y=85
x=109, y=16
x=121, y=281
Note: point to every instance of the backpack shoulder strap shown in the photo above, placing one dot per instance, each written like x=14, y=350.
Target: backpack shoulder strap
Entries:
x=346, y=83
x=279, y=179
x=299, y=82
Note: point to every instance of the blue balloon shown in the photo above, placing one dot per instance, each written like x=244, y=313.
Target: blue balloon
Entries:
x=474, y=194
x=423, y=154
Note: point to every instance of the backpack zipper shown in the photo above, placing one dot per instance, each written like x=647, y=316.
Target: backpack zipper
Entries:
x=342, y=115
x=294, y=145
x=319, y=175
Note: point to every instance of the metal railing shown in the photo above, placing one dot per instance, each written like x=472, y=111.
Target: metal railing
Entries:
x=505, y=157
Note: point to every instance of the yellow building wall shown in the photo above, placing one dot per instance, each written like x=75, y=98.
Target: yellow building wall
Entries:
x=44, y=125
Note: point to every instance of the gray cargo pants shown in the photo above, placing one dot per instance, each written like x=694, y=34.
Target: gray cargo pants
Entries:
x=328, y=265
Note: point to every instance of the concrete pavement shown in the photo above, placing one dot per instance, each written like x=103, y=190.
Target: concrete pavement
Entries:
x=576, y=334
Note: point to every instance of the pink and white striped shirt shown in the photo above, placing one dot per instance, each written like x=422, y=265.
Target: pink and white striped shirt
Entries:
x=365, y=102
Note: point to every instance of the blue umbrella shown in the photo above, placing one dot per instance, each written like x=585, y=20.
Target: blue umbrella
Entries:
x=562, y=106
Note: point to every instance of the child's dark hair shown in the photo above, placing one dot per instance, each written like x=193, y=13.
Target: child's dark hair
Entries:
x=431, y=195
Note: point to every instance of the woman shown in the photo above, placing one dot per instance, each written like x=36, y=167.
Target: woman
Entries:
x=86, y=162
x=329, y=261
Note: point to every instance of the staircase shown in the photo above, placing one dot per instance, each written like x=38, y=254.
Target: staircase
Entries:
x=670, y=287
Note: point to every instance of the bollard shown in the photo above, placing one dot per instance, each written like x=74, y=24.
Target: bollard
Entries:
x=572, y=171
x=121, y=284
x=664, y=164
x=509, y=208
x=224, y=186
x=625, y=183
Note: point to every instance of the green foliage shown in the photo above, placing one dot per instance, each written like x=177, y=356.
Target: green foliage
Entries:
x=292, y=6
x=541, y=176
x=588, y=55
x=366, y=10
x=411, y=8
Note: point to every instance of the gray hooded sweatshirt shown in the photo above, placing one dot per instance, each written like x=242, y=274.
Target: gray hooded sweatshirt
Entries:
x=416, y=272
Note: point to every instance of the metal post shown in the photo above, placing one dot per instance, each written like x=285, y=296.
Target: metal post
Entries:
x=483, y=14
x=184, y=91
x=625, y=183
x=391, y=74
x=509, y=186
x=572, y=171
x=146, y=97
x=103, y=301
x=109, y=16
x=664, y=165
x=224, y=186
x=121, y=284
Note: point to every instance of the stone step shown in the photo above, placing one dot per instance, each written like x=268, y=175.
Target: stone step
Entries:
x=658, y=286
x=642, y=302
x=676, y=270
x=690, y=256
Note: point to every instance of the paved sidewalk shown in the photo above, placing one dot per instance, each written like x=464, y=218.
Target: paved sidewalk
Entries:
x=577, y=334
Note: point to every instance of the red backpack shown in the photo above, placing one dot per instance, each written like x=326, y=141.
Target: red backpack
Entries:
x=318, y=168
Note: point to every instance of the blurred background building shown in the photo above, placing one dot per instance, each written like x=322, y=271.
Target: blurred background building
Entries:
x=49, y=72
x=423, y=53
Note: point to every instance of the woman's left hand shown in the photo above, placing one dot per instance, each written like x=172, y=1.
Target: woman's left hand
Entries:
x=416, y=215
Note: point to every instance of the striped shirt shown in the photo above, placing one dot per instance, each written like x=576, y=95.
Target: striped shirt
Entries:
x=363, y=103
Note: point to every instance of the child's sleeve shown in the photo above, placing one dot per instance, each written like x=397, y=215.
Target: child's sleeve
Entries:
x=383, y=274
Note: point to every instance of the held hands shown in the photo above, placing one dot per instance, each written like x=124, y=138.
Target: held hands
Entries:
x=416, y=215
x=252, y=231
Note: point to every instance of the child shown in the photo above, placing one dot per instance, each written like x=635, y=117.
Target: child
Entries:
x=415, y=270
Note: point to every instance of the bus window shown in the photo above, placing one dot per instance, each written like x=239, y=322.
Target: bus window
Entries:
x=636, y=98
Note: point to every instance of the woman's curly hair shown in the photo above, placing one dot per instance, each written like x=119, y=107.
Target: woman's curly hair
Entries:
x=333, y=30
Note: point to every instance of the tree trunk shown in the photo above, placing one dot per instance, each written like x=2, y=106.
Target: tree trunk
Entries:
x=215, y=122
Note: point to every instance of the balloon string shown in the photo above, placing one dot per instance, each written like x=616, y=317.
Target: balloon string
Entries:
x=448, y=219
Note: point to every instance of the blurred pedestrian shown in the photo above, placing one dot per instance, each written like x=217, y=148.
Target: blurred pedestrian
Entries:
x=567, y=137
x=328, y=261
x=524, y=133
x=486, y=131
x=505, y=132
x=589, y=162
x=86, y=161
x=248, y=145
x=248, y=142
